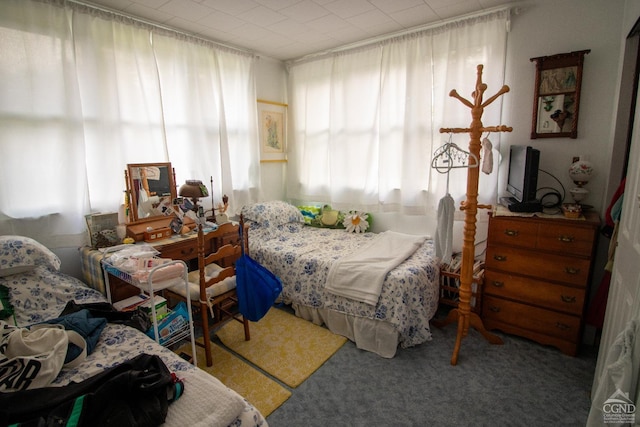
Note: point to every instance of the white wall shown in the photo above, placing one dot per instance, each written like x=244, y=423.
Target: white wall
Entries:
x=547, y=27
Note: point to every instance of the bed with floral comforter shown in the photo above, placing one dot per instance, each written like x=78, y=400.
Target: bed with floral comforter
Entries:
x=39, y=292
x=302, y=256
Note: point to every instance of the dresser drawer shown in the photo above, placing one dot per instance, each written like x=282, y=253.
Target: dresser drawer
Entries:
x=556, y=268
x=185, y=250
x=535, y=292
x=534, y=319
x=566, y=239
x=229, y=238
x=513, y=232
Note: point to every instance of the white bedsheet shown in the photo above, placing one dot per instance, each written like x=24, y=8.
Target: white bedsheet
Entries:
x=360, y=275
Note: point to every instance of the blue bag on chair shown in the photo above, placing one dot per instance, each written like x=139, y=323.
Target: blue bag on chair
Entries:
x=257, y=287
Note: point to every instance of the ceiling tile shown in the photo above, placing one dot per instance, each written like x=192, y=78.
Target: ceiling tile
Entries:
x=349, y=35
x=262, y=16
x=231, y=7
x=387, y=6
x=451, y=10
x=349, y=8
x=193, y=13
x=313, y=37
x=415, y=16
x=289, y=27
x=221, y=21
x=370, y=20
x=277, y=4
x=304, y=11
x=251, y=32
x=328, y=24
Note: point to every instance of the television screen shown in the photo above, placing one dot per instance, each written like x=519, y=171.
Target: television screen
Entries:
x=522, y=181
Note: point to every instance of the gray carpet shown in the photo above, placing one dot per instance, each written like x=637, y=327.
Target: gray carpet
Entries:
x=520, y=383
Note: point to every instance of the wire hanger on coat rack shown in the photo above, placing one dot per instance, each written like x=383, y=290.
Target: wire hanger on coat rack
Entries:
x=450, y=156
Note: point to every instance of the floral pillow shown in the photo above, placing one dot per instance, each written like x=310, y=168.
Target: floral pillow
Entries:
x=19, y=254
x=272, y=213
x=356, y=222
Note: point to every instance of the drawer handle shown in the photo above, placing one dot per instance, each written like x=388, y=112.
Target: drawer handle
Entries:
x=571, y=270
x=494, y=309
x=497, y=284
x=568, y=299
x=511, y=233
x=566, y=239
x=562, y=326
x=500, y=257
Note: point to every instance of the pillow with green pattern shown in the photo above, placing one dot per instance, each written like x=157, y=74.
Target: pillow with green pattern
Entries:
x=327, y=217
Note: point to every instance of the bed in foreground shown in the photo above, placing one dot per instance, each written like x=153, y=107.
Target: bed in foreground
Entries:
x=39, y=292
x=303, y=257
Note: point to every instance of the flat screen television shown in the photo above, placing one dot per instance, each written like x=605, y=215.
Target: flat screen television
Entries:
x=522, y=182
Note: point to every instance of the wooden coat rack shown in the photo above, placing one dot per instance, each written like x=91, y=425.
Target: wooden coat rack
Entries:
x=470, y=206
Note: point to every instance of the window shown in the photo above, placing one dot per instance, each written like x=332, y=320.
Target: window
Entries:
x=84, y=92
x=365, y=122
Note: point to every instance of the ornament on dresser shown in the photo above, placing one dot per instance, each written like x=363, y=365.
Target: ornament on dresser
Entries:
x=580, y=173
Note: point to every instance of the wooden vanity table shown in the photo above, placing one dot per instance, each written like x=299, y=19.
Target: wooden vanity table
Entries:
x=184, y=248
x=154, y=209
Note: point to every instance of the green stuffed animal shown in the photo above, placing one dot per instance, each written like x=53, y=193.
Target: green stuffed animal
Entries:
x=329, y=217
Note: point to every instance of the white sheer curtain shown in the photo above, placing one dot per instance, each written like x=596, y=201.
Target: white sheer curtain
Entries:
x=84, y=92
x=365, y=122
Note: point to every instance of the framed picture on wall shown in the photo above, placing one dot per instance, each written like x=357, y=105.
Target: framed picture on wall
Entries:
x=556, y=98
x=272, y=120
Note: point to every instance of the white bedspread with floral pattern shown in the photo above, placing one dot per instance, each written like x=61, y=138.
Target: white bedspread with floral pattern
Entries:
x=301, y=256
x=42, y=293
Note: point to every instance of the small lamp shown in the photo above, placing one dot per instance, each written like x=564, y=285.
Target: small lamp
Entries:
x=194, y=190
x=580, y=173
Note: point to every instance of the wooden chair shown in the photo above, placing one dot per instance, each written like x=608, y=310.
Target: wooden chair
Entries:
x=213, y=285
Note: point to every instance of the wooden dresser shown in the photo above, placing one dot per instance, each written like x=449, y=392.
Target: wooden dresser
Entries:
x=537, y=274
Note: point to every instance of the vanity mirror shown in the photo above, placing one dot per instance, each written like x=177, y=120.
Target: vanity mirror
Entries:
x=556, y=98
x=151, y=188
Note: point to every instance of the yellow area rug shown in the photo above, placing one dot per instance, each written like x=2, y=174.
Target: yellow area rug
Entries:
x=287, y=347
x=261, y=391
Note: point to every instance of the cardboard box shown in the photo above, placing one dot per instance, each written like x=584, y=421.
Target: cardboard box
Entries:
x=130, y=304
x=143, y=301
x=161, y=307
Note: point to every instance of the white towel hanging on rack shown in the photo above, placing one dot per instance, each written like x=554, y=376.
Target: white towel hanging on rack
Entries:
x=487, y=156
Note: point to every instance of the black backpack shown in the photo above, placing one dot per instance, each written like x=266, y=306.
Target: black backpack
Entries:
x=134, y=393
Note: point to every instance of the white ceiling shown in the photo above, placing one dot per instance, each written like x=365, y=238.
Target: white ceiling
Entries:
x=290, y=29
